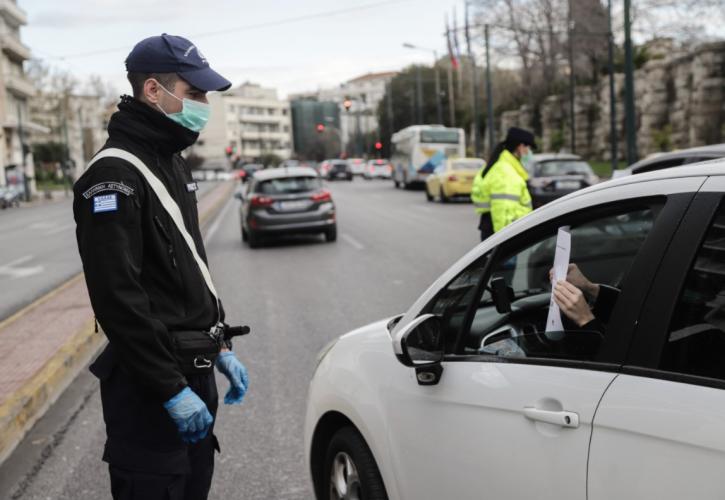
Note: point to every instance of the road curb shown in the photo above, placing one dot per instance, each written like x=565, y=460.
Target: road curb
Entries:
x=21, y=409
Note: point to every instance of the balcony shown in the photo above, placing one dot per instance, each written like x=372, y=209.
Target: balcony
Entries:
x=15, y=49
x=13, y=14
x=19, y=86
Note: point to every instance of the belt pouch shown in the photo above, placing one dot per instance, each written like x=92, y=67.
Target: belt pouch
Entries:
x=195, y=351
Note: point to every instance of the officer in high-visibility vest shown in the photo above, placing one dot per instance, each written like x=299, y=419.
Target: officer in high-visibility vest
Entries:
x=500, y=194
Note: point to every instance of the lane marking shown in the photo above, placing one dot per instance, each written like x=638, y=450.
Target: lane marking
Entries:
x=352, y=241
x=13, y=270
x=60, y=229
x=217, y=221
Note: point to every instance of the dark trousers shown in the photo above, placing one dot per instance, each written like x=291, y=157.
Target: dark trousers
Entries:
x=147, y=459
x=485, y=225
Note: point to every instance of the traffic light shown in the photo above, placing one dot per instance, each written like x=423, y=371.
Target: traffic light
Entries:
x=320, y=128
x=347, y=103
x=228, y=150
x=378, y=145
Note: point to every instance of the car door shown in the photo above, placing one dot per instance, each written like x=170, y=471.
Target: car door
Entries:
x=511, y=416
x=658, y=432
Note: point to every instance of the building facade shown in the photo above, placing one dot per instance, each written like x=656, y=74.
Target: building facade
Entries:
x=15, y=91
x=364, y=94
x=251, y=120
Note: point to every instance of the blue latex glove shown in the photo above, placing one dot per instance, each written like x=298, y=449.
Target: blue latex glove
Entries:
x=236, y=373
x=190, y=415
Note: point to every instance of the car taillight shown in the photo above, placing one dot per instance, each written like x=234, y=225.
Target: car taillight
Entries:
x=322, y=196
x=380, y=162
x=261, y=201
x=452, y=178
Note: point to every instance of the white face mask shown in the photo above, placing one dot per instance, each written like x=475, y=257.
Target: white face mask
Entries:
x=194, y=115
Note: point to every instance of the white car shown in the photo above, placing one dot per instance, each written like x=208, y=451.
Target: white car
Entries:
x=378, y=169
x=357, y=165
x=468, y=396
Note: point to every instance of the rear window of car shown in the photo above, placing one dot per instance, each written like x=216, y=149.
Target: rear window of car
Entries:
x=439, y=136
x=551, y=168
x=467, y=165
x=289, y=185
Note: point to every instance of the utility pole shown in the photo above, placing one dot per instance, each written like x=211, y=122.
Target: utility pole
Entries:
x=489, y=95
x=629, y=113
x=613, y=136
x=474, y=92
x=419, y=94
x=439, y=108
x=389, y=103
x=451, y=94
x=572, y=82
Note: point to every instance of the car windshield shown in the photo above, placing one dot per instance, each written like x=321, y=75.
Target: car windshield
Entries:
x=289, y=185
x=468, y=165
x=564, y=167
x=439, y=136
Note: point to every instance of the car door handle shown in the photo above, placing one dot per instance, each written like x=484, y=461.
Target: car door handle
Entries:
x=562, y=418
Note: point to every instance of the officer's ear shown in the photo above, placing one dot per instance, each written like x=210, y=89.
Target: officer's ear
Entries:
x=151, y=91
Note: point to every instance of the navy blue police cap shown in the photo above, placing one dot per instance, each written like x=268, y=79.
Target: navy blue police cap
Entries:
x=516, y=136
x=175, y=54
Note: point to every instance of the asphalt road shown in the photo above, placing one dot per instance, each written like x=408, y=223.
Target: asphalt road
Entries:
x=296, y=294
x=38, y=251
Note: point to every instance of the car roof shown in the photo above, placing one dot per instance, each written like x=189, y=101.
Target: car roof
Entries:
x=713, y=151
x=282, y=172
x=540, y=157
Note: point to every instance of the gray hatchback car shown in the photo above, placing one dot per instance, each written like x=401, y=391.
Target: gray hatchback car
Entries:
x=282, y=201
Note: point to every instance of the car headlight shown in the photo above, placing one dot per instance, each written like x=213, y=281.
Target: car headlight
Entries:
x=323, y=352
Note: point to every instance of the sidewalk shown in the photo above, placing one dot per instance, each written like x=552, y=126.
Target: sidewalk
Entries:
x=44, y=345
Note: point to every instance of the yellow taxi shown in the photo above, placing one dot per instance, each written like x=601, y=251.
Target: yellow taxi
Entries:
x=453, y=178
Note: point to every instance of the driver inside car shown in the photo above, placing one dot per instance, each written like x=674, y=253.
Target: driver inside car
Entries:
x=574, y=294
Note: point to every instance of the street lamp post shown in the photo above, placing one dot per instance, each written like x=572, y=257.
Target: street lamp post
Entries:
x=439, y=107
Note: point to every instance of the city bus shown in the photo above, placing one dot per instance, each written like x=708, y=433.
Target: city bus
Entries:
x=419, y=149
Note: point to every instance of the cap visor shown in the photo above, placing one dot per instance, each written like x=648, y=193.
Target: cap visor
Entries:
x=206, y=79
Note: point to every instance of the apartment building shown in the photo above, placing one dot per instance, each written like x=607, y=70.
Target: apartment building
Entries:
x=250, y=119
x=15, y=91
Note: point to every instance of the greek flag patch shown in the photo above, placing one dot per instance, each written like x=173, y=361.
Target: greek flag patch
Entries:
x=105, y=203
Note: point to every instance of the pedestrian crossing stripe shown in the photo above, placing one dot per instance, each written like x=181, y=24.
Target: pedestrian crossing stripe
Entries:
x=105, y=203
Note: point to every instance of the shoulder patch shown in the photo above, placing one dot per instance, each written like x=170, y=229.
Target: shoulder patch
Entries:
x=105, y=203
x=109, y=186
x=192, y=186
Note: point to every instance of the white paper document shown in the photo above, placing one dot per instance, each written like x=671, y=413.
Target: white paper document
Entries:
x=561, y=266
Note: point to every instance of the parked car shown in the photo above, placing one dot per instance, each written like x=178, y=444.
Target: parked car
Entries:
x=339, y=169
x=659, y=161
x=378, y=169
x=552, y=176
x=357, y=165
x=285, y=201
x=468, y=394
x=10, y=196
x=453, y=178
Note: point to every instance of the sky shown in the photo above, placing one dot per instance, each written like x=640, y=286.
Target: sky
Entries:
x=88, y=37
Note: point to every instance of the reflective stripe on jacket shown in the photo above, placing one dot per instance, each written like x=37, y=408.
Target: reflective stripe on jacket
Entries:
x=503, y=191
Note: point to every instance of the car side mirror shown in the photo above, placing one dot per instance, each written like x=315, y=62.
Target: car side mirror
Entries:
x=501, y=294
x=421, y=343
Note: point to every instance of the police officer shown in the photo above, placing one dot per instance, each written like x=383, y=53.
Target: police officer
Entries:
x=500, y=194
x=145, y=285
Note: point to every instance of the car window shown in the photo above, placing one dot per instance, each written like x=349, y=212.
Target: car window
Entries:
x=289, y=185
x=603, y=248
x=552, y=168
x=696, y=341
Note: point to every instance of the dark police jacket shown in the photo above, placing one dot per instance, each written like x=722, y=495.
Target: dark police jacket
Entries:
x=142, y=279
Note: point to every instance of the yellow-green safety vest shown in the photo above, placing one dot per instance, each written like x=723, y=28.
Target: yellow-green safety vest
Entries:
x=503, y=191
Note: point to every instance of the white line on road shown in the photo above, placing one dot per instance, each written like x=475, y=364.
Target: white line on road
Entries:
x=12, y=270
x=352, y=241
x=217, y=222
